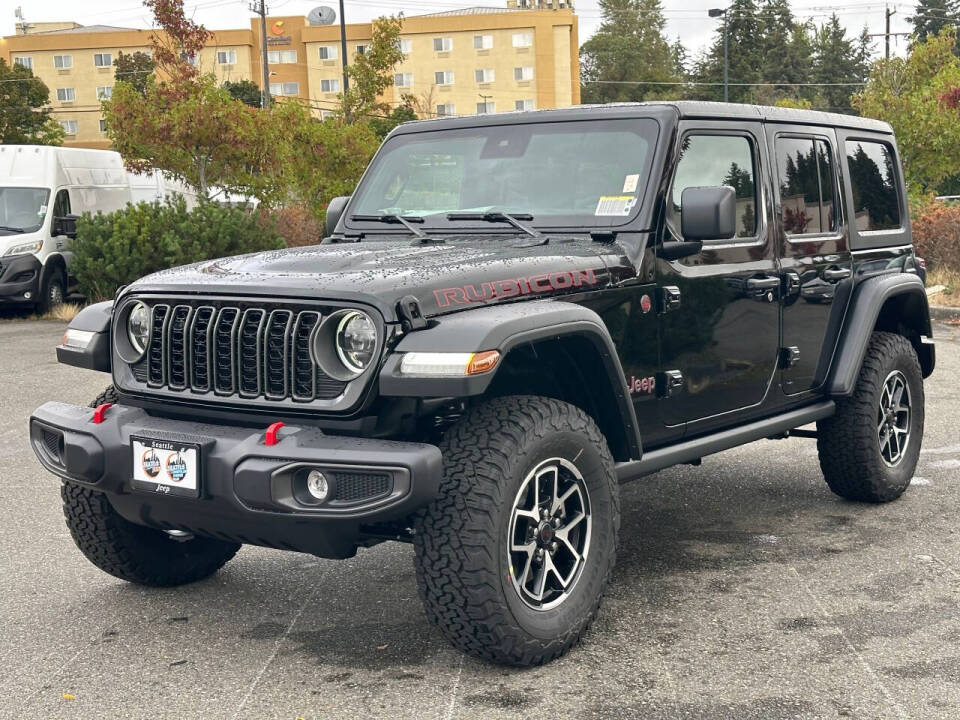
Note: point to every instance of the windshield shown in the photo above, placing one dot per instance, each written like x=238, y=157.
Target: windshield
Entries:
x=563, y=174
x=22, y=209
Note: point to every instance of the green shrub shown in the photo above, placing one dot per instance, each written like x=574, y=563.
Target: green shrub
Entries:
x=116, y=249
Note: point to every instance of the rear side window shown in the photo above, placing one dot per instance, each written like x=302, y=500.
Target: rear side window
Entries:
x=873, y=181
x=710, y=160
x=807, y=185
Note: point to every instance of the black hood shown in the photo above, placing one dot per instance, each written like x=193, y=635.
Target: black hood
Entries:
x=443, y=277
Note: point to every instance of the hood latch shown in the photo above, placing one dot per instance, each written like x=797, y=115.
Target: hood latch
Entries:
x=411, y=315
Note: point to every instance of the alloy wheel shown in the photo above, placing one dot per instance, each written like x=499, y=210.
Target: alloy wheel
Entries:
x=893, y=418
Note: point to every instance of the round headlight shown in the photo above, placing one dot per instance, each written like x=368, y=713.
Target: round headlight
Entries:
x=138, y=327
x=356, y=341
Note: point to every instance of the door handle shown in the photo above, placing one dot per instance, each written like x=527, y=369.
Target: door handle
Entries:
x=764, y=283
x=836, y=273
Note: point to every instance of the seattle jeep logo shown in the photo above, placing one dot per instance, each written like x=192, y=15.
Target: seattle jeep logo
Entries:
x=176, y=467
x=514, y=287
x=151, y=463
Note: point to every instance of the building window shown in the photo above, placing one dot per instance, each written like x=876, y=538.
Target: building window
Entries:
x=873, y=182
x=403, y=80
x=105, y=93
x=25, y=62
x=330, y=86
x=446, y=110
x=63, y=62
x=522, y=40
x=287, y=88
x=523, y=105
x=442, y=44
x=281, y=57
x=443, y=77
x=485, y=107
x=66, y=94
x=405, y=45
x=484, y=76
x=102, y=60
x=191, y=58
x=362, y=49
x=103, y=125
x=328, y=52
x=482, y=42
x=522, y=74
x=69, y=126
x=226, y=57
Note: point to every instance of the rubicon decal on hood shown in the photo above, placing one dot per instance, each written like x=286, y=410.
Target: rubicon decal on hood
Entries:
x=513, y=287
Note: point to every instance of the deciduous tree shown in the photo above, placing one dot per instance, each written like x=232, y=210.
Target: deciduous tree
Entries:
x=134, y=68
x=371, y=72
x=25, y=116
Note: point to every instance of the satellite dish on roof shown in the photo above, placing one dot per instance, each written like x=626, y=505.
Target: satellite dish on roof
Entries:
x=322, y=15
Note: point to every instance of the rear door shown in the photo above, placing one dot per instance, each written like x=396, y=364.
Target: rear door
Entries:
x=719, y=345
x=815, y=256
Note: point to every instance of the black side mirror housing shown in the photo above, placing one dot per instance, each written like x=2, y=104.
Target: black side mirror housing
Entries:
x=708, y=213
x=334, y=212
x=65, y=225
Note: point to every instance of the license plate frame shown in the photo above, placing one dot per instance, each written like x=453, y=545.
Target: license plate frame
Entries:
x=166, y=467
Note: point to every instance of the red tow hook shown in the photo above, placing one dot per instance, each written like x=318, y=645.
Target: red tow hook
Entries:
x=101, y=413
x=271, y=436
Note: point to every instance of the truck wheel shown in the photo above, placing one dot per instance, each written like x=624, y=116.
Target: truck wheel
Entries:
x=133, y=552
x=53, y=289
x=513, y=557
x=870, y=447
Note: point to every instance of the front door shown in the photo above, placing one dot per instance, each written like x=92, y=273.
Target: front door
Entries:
x=815, y=256
x=719, y=346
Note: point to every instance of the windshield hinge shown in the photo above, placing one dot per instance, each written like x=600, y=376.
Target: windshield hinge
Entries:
x=606, y=236
x=411, y=315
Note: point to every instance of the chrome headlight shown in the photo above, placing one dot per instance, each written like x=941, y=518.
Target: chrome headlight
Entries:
x=138, y=327
x=345, y=344
x=356, y=341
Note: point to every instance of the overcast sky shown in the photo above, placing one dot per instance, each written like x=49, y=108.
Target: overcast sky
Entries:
x=688, y=20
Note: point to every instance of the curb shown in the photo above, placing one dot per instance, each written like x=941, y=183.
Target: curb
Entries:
x=944, y=313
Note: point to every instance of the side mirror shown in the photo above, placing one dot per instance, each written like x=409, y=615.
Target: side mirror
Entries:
x=334, y=212
x=65, y=225
x=708, y=213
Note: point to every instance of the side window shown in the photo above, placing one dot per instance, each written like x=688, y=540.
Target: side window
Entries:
x=873, y=180
x=710, y=160
x=807, y=184
x=61, y=206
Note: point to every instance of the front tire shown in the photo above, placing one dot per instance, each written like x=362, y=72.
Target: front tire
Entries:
x=869, y=449
x=132, y=552
x=513, y=557
x=53, y=290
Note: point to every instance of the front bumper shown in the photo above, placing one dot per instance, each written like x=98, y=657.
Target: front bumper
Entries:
x=19, y=279
x=247, y=488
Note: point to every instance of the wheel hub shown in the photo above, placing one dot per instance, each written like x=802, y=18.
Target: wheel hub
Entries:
x=893, y=418
x=549, y=534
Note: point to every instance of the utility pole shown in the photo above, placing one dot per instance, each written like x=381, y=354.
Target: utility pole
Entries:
x=260, y=8
x=717, y=12
x=889, y=13
x=343, y=54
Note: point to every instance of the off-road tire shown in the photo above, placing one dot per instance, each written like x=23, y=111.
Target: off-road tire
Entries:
x=463, y=571
x=847, y=442
x=133, y=552
x=47, y=299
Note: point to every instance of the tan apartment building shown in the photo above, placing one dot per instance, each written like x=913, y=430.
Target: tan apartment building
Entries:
x=460, y=62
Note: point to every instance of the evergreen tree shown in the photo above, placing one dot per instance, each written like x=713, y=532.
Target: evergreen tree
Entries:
x=134, y=68
x=839, y=60
x=746, y=55
x=931, y=16
x=681, y=58
x=628, y=49
x=246, y=91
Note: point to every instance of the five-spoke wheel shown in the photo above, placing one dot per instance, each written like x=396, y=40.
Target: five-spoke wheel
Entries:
x=893, y=418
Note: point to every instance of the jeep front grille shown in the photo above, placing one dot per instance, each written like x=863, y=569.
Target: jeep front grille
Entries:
x=235, y=351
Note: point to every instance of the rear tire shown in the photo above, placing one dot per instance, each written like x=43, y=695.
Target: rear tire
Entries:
x=869, y=449
x=505, y=463
x=132, y=552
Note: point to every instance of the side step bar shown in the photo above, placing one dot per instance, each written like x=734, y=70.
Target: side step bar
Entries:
x=697, y=448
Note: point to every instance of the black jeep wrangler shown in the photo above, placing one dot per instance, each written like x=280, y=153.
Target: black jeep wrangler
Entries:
x=510, y=317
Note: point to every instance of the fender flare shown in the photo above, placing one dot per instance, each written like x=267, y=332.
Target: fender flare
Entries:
x=53, y=260
x=503, y=328
x=869, y=300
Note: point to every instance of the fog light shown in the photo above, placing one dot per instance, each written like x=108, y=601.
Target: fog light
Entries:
x=317, y=485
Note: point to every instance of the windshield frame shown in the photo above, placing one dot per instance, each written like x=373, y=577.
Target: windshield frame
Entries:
x=46, y=203
x=646, y=187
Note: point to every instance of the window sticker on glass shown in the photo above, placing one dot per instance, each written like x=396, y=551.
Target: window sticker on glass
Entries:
x=615, y=205
x=630, y=183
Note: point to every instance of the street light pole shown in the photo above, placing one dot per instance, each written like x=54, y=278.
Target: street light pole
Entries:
x=343, y=56
x=717, y=12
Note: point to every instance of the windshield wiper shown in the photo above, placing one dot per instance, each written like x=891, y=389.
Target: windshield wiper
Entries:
x=390, y=218
x=12, y=229
x=496, y=216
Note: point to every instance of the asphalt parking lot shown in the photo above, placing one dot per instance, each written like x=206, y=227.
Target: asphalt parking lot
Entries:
x=744, y=589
